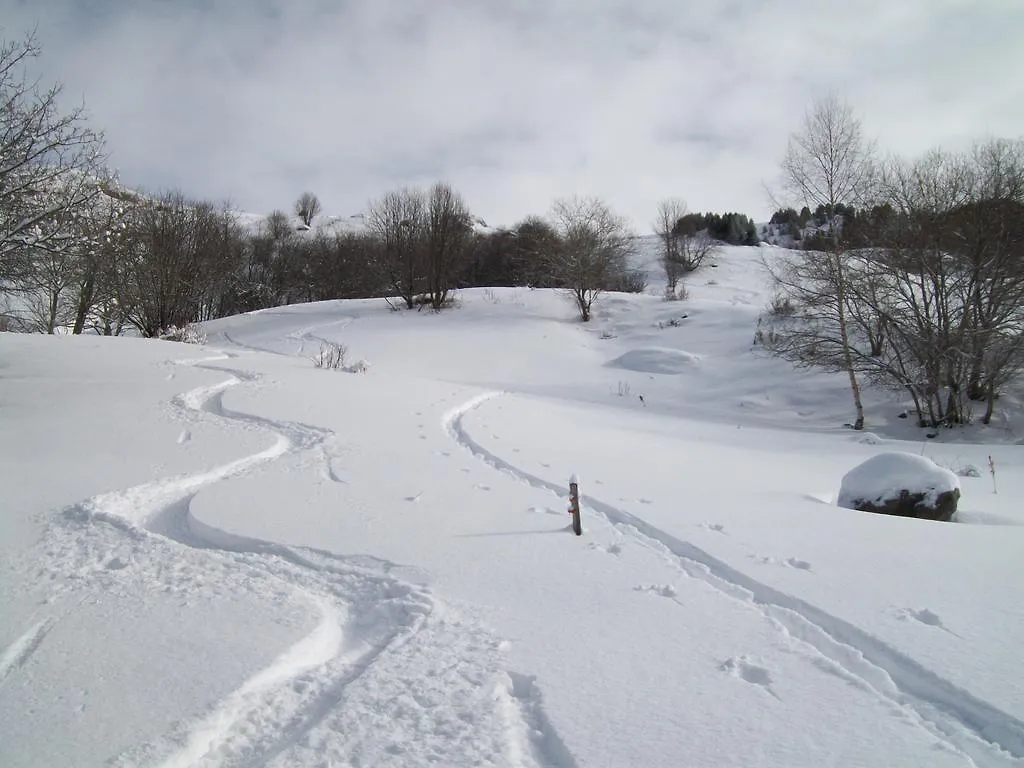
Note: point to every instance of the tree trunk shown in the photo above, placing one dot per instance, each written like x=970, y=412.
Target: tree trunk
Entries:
x=51, y=319
x=990, y=403
x=917, y=404
x=845, y=339
x=85, y=297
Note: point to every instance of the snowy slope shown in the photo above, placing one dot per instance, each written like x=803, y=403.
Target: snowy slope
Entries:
x=225, y=556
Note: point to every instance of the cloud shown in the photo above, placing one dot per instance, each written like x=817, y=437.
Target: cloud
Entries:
x=515, y=101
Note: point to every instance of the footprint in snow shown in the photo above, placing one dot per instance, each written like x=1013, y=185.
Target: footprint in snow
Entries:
x=184, y=437
x=792, y=562
x=662, y=590
x=645, y=501
x=611, y=549
x=743, y=669
x=716, y=527
x=545, y=510
x=924, y=616
x=414, y=499
x=482, y=487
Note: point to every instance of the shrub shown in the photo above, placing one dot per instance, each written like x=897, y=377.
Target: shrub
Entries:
x=781, y=306
x=331, y=356
x=633, y=281
x=188, y=334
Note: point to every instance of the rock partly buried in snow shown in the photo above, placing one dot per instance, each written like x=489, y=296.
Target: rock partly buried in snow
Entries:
x=901, y=484
x=656, y=360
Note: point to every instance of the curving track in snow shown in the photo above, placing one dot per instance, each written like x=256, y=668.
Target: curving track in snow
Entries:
x=388, y=675
x=984, y=734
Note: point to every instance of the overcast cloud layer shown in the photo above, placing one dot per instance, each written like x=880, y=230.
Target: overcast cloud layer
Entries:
x=516, y=102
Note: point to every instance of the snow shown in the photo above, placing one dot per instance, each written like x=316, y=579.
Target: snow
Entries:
x=655, y=360
x=222, y=555
x=885, y=476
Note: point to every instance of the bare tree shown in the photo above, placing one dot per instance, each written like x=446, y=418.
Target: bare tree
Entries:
x=447, y=238
x=953, y=267
x=670, y=211
x=277, y=226
x=934, y=291
x=693, y=246
x=399, y=221
x=534, y=244
x=828, y=163
x=990, y=234
x=64, y=284
x=307, y=207
x=684, y=247
x=104, y=237
x=184, y=256
x=593, y=250
x=47, y=161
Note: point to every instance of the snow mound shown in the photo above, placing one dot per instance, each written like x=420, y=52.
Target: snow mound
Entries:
x=885, y=476
x=656, y=360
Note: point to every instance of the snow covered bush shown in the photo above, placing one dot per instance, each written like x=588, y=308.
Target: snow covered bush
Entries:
x=961, y=469
x=901, y=484
x=334, y=357
x=188, y=334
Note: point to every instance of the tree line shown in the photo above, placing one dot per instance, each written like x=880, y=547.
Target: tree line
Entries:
x=80, y=252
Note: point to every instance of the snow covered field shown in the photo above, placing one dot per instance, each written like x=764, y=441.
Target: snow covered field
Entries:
x=223, y=555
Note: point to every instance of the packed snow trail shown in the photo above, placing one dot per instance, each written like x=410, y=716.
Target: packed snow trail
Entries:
x=981, y=732
x=320, y=700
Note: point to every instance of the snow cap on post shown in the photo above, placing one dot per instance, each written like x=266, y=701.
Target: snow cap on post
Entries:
x=574, y=478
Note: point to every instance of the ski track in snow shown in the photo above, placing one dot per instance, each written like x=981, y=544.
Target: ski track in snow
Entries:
x=981, y=732
x=18, y=652
x=341, y=694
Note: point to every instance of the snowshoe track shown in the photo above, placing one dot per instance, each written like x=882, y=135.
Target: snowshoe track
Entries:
x=984, y=734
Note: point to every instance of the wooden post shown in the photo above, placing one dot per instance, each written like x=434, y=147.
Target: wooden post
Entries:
x=574, y=506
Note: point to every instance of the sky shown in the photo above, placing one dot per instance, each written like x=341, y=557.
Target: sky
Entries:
x=515, y=102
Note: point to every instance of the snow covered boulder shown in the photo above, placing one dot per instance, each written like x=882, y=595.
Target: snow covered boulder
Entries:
x=901, y=484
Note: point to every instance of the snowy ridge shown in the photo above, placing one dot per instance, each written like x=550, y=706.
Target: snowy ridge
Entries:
x=983, y=733
x=385, y=669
